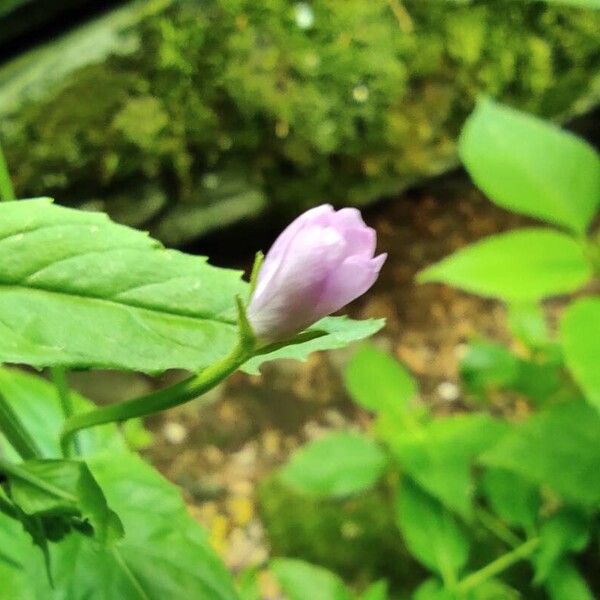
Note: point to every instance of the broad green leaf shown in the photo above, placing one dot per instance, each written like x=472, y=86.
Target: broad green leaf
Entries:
x=580, y=337
x=557, y=447
x=378, y=382
x=524, y=265
x=376, y=591
x=80, y=291
x=513, y=498
x=440, y=456
x=432, y=589
x=431, y=533
x=566, y=583
x=337, y=333
x=338, y=465
x=530, y=166
x=164, y=553
x=300, y=580
x=77, y=495
x=565, y=532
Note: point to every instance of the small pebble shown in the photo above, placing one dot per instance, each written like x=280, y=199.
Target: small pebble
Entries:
x=174, y=432
x=448, y=391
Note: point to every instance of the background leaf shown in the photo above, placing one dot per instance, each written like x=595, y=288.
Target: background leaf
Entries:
x=440, y=455
x=524, y=265
x=337, y=465
x=378, y=382
x=431, y=533
x=557, y=447
x=580, y=337
x=566, y=583
x=529, y=166
x=513, y=498
x=300, y=580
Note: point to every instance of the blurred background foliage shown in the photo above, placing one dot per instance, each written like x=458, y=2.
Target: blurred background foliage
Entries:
x=179, y=116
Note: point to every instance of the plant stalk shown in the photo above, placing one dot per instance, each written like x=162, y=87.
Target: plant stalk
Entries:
x=497, y=566
x=66, y=401
x=16, y=434
x=161, y=400
x=7, y=191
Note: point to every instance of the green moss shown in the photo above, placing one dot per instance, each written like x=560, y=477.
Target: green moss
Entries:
x=362, y=101
x=356, y=538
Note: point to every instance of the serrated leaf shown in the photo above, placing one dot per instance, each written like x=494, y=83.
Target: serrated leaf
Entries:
x=565, y=532
x=300, y=580
x=530, y=166
x=580, y=338
x=337, y=465
x=165, y=554
x=431, y=533
x=440, y=455
x=80, y=291
x=524, y=265
x=378, y=382
x=337, y=332
x=557, y=447
x=513, y=498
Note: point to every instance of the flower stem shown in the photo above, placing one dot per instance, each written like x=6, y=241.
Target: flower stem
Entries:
x=6, y=188
x=497, y=566
x=498, y=528
x=16, y=434
x=158, y=401
x=66, y=401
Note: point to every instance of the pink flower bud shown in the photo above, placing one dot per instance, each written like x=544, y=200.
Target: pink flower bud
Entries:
x=322, y=261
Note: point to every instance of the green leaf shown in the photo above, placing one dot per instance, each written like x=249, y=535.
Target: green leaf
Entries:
x=376, y=591
x=524, y=265
x=164, y=554
x=581, y=4
x=66, y=275
x=580, y=338
x=335, y=332
x=488, y=366
x=566, y=583
x=565, y=532
x=531, y=167
x=300, y=580
x=76, y=494
x=527, y=323
x=338, y=465
x=432, y=589
x=378, y=382
x=440, y=456
x=513, y=498
x=431, y=533
x=557, y=447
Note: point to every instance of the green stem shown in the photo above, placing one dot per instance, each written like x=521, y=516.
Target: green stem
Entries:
x=16, y=434
x=498, y=528
x=6, y=188
x=497, y=566
x=17, y=472
x=163, y=399
x=66, y=401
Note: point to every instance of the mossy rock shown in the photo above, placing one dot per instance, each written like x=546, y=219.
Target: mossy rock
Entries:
x=355, y=537
x=180, y=116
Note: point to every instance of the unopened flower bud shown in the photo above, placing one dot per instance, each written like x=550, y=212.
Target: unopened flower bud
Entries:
x=322, y=261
